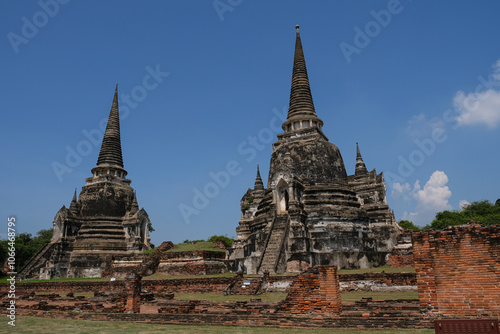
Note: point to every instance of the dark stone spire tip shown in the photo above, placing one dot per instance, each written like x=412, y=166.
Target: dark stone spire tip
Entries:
x=301, y=102
x=111, y=150
x=259, y=185
x=360, y=165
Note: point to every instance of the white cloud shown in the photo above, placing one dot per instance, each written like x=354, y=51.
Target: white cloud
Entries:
x=409, y=216
x=432, y=198
x=420, y=126
x=496, y=70
x=478, y=108
x=483, y=105
x=463, y=203
x=435, y=194
x=399, y=189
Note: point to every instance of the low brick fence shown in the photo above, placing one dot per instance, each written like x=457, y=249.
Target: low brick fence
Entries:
x=198, y=285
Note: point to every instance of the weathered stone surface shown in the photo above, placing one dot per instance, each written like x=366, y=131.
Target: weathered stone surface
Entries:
x=104, y=223
x=312, y=213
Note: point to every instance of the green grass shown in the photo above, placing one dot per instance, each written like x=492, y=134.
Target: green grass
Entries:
x=386, y=269
x=63, y=326
x=377, y=295
x=199, y=246
x=150, y=251
x=219, y=297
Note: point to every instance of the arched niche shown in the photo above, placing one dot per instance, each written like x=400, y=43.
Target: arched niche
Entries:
x=282, y=197
x=57, y=231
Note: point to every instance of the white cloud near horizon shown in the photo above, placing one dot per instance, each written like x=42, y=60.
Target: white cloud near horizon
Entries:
x=435, y=193
x=463, y=203
x=432, y=198
x=483, y=105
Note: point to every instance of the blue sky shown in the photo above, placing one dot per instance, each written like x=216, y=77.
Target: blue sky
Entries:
x=203, y=84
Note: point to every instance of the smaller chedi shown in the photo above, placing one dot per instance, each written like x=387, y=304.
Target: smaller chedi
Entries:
x=103, y=223
x=312, y=213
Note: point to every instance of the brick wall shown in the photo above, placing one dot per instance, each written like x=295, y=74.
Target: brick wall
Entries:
x=458, y=270
x=201, y=284
x=401, y=258
x=315, y=291
x=202, y=255
x=192, y=263
x=67, y=286
x=191, y=285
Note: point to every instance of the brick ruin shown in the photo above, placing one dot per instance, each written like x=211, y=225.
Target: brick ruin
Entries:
x=199, y=262
x=458, y=270
x=315, y=291
x=402, y=254
x=457, y=275
x=313, y=301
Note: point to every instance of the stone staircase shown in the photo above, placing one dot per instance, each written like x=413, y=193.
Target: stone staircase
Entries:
x=34, y=263
x=101, y=235
x=274, y=245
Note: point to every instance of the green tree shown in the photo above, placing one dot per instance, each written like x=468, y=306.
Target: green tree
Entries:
x=480, y=211
x=223, y=238
x=408, y=225
x=26, y=246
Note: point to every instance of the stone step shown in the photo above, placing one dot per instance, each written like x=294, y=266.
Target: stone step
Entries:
x=100, y=237
x=274, y=245
x=101, y=231
x=103, y=222
x=102, y=226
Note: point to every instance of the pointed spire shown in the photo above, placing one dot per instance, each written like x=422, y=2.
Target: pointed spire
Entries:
x=301, y=102
x=302, y=117
x=360, y=165
x=73, y=207
x=134, y=206
x=111, y=150
x=259, y=185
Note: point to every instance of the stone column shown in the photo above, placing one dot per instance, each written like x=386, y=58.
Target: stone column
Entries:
x=329, y=288
x=133, y=286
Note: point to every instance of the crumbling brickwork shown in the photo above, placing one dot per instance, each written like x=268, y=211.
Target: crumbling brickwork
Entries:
x=458, y=270
x=314, y=301
x=402, y=254
x=133, y=293
x=315, y=291
x=401, y=259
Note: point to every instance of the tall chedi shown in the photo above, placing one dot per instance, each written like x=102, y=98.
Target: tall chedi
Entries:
x=312, y=212
x=104, y=223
